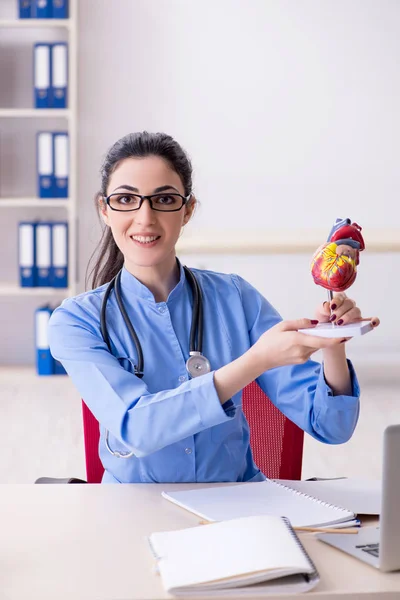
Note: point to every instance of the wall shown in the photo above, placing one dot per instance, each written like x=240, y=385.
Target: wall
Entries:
x=289, y=111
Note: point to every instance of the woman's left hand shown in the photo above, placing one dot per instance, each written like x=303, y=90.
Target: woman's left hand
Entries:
x=342, y=311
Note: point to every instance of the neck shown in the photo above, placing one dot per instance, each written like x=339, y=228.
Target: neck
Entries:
x=159, y=279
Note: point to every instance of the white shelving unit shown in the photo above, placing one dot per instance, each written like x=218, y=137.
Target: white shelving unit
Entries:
x=70, y=116
x=35, y=23
x=38, y=202
x=19, y=113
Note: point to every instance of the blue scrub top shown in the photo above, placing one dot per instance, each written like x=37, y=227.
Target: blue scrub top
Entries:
x=175, y=425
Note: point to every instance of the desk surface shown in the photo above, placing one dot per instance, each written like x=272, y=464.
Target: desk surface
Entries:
x=89, y=541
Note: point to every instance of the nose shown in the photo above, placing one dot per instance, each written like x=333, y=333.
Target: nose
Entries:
x=145, y=214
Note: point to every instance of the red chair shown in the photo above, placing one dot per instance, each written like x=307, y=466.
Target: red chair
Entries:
x=276, y=442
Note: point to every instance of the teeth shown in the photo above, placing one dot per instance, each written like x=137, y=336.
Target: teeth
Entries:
x=144, y=240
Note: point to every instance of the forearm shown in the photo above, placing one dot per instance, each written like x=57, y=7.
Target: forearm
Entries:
x=336, y=370
x=234, y=376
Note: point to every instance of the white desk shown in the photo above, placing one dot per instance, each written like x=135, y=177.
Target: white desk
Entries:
x=89, y=541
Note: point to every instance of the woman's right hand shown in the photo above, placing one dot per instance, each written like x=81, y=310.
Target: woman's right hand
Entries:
x=284, y=345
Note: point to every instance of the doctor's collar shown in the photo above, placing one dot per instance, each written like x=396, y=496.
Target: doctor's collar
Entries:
x=129, y=283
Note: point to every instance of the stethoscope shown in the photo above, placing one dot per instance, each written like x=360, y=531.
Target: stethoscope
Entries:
x=197, y=364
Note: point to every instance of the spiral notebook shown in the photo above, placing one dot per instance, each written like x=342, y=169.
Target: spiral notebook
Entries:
x=221, y=503
x=253, y=556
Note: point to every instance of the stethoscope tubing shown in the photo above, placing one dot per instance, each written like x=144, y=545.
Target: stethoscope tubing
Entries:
x=195, y=350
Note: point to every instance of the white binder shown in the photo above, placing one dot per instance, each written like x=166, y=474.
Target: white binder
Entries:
x=45, y=166
x=59, y=269
x=61, y=165
x=42, y=75
x=26, y=242
x=44, y=359
x=59, y=75
x=43, y=254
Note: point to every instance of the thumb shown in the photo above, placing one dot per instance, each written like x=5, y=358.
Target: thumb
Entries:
x=298, y=324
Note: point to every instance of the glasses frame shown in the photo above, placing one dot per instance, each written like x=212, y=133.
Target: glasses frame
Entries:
x=185, y=200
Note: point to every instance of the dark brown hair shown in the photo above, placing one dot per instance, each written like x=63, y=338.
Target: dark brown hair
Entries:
x=107, y=257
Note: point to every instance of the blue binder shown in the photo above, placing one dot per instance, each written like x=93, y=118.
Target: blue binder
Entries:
x=60, y=9
x=41, y=74
x=45, y=164
x=59, y=75
x=41, y=9
x=61, y=164
x=25, y=7
x=58, y=368
x=59, y=255
x=44, y=359
x=43, y=253
x=26, y=254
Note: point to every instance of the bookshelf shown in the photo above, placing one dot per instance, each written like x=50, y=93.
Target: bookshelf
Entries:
x=70, y=116
x=27, y=205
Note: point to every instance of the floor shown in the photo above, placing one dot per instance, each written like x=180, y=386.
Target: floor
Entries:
x=42, y=428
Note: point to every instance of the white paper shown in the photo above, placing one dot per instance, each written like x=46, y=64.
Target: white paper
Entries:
x=59, y=245
x=335, y=331
x=42, y=323
x=43, y=249
x=59, y=65
x=42, y=66
x=26, y=232
x=45, y=153
x=61, y=155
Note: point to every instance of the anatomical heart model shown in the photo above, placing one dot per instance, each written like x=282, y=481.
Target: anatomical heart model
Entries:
x=334, y=267
x=334, y=264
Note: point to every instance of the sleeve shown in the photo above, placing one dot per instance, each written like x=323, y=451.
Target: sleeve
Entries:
x=120, y=400
x=300, y=391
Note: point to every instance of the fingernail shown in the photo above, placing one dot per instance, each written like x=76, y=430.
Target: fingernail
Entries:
x=373, y=322
x=332, y=318
x=340, y=322
x=314, y=322
x=333, y=306
x=343, y=341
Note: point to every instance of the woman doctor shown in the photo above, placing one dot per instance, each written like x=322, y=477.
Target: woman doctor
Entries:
x=166, y=425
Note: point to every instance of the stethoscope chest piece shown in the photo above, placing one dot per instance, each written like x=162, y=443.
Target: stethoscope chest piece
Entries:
x=197, y=364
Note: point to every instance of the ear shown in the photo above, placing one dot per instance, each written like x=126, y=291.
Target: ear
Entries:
x=189, y=209
x=102, y=205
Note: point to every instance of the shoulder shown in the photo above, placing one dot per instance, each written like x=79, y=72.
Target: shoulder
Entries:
x=214, y=278
x=222, y=283
x=84, y=308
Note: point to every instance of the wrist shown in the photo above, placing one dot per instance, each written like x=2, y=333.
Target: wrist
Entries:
x=259, y=361
x=336, y=352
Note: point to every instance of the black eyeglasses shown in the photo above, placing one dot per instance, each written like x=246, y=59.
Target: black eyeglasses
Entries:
x=124, y=202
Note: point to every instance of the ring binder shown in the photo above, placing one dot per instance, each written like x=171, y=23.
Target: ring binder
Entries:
x=328, y=504
x=298, y=542
x=260, y=498
x=278, y=561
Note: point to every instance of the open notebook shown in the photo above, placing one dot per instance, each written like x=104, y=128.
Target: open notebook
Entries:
x=221, y=503
x=361, y=496
x=251, y=556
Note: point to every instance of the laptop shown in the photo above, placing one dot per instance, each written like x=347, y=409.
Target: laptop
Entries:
x=379, y=546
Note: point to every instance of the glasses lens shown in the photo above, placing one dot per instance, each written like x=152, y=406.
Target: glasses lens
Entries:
x=166, y=202
x=124, y=201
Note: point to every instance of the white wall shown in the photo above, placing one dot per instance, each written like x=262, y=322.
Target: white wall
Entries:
x=288, y=109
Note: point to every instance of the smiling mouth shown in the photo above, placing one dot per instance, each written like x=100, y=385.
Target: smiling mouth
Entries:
x=145, y=239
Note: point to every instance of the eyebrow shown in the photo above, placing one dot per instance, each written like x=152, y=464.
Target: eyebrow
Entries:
x=162, y=188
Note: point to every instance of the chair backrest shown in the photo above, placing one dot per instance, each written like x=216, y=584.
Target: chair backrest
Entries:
x=276, y=442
